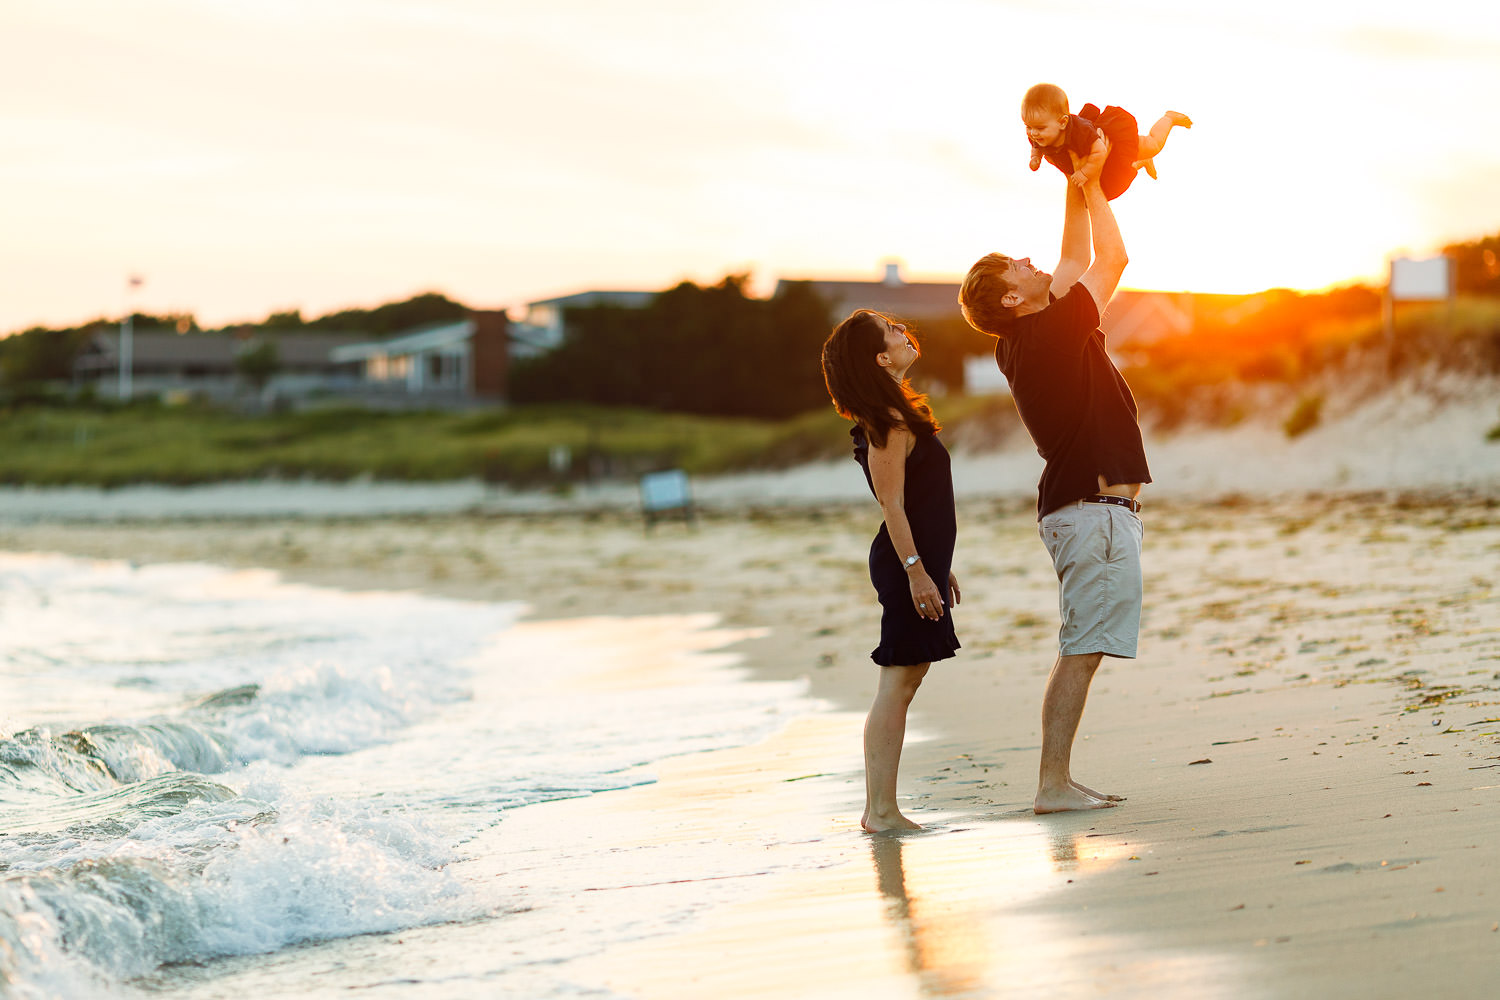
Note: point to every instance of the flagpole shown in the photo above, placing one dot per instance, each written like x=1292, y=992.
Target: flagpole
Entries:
x=127, y=338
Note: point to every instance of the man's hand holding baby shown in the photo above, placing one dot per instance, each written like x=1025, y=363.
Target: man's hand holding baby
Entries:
x=1088, y=168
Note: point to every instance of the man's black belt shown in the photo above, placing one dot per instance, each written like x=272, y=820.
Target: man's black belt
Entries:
x=1133, y=505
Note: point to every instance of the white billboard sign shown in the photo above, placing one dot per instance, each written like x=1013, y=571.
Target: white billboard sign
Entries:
x=1421, y=280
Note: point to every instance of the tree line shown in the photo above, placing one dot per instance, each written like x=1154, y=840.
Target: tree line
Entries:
x=718, y=350
x=1477, y=265
x=694, y=349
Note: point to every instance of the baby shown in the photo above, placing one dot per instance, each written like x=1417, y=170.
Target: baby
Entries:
x=1054, y=133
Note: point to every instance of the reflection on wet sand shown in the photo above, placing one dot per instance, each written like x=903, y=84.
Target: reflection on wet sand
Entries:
x=1084, y=851
x=944, y=947
x=961, y=905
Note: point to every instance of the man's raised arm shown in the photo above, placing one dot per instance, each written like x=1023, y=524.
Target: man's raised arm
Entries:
x=1075, y=243
x=1103, y=275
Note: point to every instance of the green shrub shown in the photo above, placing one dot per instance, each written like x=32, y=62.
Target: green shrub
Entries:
x=1305, y=415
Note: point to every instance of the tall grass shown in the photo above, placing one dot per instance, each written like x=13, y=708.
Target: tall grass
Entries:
x=49, y=446
x=522, y=446
x=1224, y=376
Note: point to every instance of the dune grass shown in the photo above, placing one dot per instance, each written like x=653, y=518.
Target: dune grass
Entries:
x=46, y=442
x=50, y=446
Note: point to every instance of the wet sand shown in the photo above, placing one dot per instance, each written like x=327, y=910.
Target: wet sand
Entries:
x=1309, y=743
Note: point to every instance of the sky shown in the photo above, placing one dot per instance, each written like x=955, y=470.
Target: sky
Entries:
x=245, y=157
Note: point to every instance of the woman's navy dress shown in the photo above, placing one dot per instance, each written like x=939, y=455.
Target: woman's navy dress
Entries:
x=906, y=638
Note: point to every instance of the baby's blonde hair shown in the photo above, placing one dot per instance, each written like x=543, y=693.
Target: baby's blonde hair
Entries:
x=1047, y=98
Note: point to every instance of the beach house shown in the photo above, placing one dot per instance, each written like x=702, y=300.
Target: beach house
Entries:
x=172, y=365
x=544, y=323
x=448, y=364
x=460, y=362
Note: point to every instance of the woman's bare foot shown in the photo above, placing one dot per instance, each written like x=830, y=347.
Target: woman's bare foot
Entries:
x=881, y=822
x=1085, y=789
x=1068, y=799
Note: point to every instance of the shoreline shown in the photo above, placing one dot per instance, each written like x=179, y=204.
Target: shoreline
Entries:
x=1309, y=742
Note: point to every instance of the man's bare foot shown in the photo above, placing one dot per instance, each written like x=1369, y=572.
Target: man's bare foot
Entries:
x=881, y=822
x=1179, y=119
x=1085, y=789
x=1068, y=799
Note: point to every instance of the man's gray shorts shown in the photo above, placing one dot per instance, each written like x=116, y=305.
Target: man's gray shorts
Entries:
x=1096, y=550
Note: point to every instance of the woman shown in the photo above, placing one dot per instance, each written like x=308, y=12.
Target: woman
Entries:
x=865, y=361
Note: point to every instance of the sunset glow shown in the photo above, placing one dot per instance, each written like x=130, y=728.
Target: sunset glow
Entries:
x=250, y=157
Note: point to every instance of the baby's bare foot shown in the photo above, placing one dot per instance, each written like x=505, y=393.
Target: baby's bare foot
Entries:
x=1180, y=119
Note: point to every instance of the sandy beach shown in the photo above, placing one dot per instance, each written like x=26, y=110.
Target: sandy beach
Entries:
x=1309, y=744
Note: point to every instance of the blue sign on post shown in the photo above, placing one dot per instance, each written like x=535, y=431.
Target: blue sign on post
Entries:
x=666, y=494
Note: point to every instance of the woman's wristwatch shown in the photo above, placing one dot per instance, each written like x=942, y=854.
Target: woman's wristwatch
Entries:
x=910, y=561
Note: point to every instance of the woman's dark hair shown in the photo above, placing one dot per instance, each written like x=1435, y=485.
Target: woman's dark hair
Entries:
x=863, y=391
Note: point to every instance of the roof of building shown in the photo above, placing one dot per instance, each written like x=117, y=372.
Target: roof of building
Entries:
x=1133, y=316
x=433, y=336
x=915, y=298
x=581, y=300
x=208, y=350
x=892, y=294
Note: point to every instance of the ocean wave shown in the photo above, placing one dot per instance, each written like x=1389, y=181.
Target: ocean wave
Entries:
x=222, y=876
x=313, y=710
x=119, y=854
x=168, y=837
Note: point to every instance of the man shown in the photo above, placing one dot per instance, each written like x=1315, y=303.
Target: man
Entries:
x=1082, y=417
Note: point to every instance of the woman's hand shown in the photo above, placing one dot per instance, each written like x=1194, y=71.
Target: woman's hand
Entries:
x=953, y=589
x=924, y=594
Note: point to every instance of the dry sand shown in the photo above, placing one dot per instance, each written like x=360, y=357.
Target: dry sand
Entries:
x=1308, y=744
